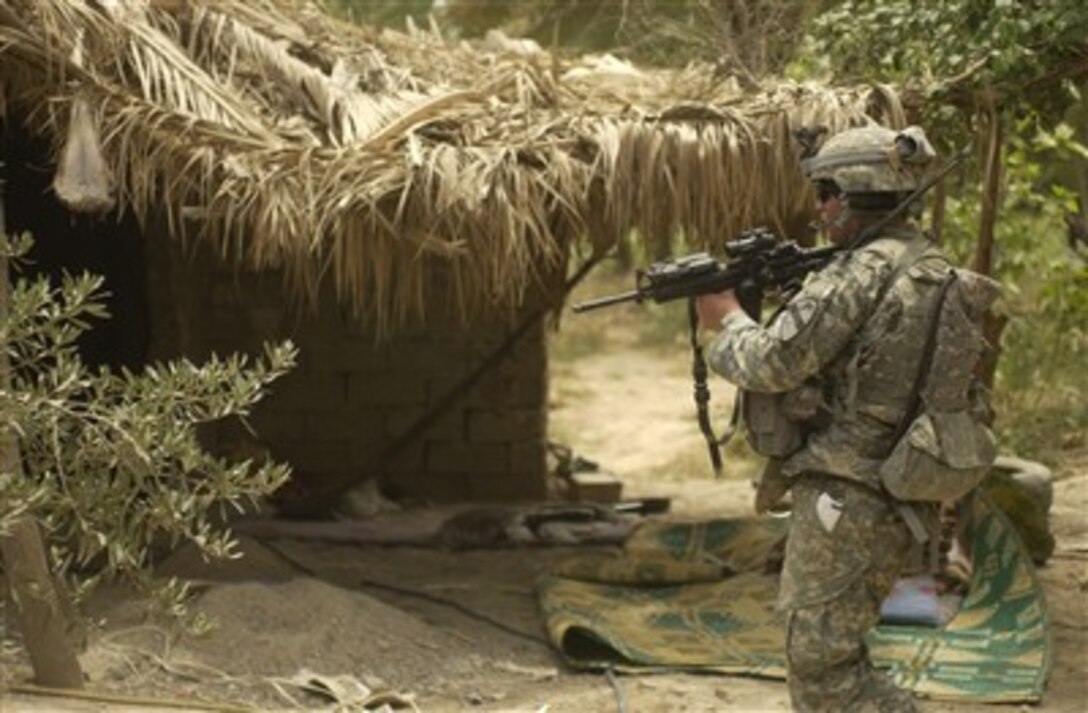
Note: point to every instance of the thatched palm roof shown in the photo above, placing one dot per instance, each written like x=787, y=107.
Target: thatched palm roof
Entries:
x=340, y=152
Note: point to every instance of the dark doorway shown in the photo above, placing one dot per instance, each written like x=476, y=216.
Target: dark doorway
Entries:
x=66, y=242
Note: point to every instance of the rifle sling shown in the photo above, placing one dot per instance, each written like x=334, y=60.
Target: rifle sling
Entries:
x=915, y=405
x=905, y=509
x=702, y=391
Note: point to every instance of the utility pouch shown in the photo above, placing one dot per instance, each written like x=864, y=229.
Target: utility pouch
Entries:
x=770, y=433
x=942, y=456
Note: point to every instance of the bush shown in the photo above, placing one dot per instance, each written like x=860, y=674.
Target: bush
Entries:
x=113, y=463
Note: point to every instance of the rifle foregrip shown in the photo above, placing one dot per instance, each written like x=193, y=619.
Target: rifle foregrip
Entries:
x=751, y=301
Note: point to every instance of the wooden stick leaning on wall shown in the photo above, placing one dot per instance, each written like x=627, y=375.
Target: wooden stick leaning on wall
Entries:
x=319, y=503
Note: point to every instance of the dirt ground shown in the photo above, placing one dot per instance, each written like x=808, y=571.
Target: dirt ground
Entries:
x=460, y=631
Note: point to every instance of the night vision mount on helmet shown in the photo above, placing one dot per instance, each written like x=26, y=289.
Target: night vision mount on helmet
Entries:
x=873, y=159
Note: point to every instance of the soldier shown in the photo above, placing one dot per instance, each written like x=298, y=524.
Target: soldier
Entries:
x=852, y=337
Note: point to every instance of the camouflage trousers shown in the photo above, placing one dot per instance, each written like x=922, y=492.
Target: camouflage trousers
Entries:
x=846, y=547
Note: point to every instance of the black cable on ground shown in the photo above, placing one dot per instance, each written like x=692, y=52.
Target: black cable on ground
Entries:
x=434, y=599
x=455, y=605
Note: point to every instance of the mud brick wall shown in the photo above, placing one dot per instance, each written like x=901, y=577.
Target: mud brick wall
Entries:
x=351, y=395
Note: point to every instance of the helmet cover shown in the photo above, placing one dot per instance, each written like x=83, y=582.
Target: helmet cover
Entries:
x=872, y=159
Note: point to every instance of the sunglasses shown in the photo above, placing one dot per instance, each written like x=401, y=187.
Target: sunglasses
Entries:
x=826, y=190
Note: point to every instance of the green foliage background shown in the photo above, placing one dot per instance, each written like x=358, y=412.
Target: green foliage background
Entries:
x=747, y=36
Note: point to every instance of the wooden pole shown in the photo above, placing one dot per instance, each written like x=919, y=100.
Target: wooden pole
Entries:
x=991, y=139
x=33, y=597
x=1077, y=222
x=940, y=202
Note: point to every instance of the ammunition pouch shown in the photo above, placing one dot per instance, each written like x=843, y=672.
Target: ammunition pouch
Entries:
x=770, y=432
x=942, y=456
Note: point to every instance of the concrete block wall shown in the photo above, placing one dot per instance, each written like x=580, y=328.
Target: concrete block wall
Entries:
x=351, y=397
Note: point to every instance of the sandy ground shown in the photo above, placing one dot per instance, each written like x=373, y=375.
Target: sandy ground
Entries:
x=460, y=631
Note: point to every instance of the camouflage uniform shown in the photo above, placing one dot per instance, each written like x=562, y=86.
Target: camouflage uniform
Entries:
x=858, y=328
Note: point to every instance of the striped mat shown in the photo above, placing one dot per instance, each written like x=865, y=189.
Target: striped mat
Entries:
x=663, y=604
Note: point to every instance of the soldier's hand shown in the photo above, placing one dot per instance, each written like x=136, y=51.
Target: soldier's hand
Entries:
x=712, y=309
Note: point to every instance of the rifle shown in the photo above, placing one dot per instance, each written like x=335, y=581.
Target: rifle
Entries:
x=758, y=263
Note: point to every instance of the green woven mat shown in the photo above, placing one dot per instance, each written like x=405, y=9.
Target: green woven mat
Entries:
x=662, y=605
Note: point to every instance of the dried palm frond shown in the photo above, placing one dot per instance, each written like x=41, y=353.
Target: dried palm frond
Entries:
x=374, y=160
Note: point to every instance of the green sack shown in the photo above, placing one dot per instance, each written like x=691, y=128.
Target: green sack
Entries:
x=942, y=456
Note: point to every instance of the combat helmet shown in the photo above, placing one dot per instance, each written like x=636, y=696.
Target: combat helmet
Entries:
x=872, y=159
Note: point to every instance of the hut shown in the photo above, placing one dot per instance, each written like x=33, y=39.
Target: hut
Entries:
x=407, y=210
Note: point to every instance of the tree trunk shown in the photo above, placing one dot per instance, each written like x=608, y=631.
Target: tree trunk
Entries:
x=36, y=606
x=991, y=140
x=1077, y=222
x=35, y=600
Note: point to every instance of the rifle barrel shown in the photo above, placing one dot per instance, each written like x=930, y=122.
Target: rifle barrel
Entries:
x=632, y=296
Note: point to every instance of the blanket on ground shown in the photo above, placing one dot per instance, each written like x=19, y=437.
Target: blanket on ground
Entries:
x=694, y=596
